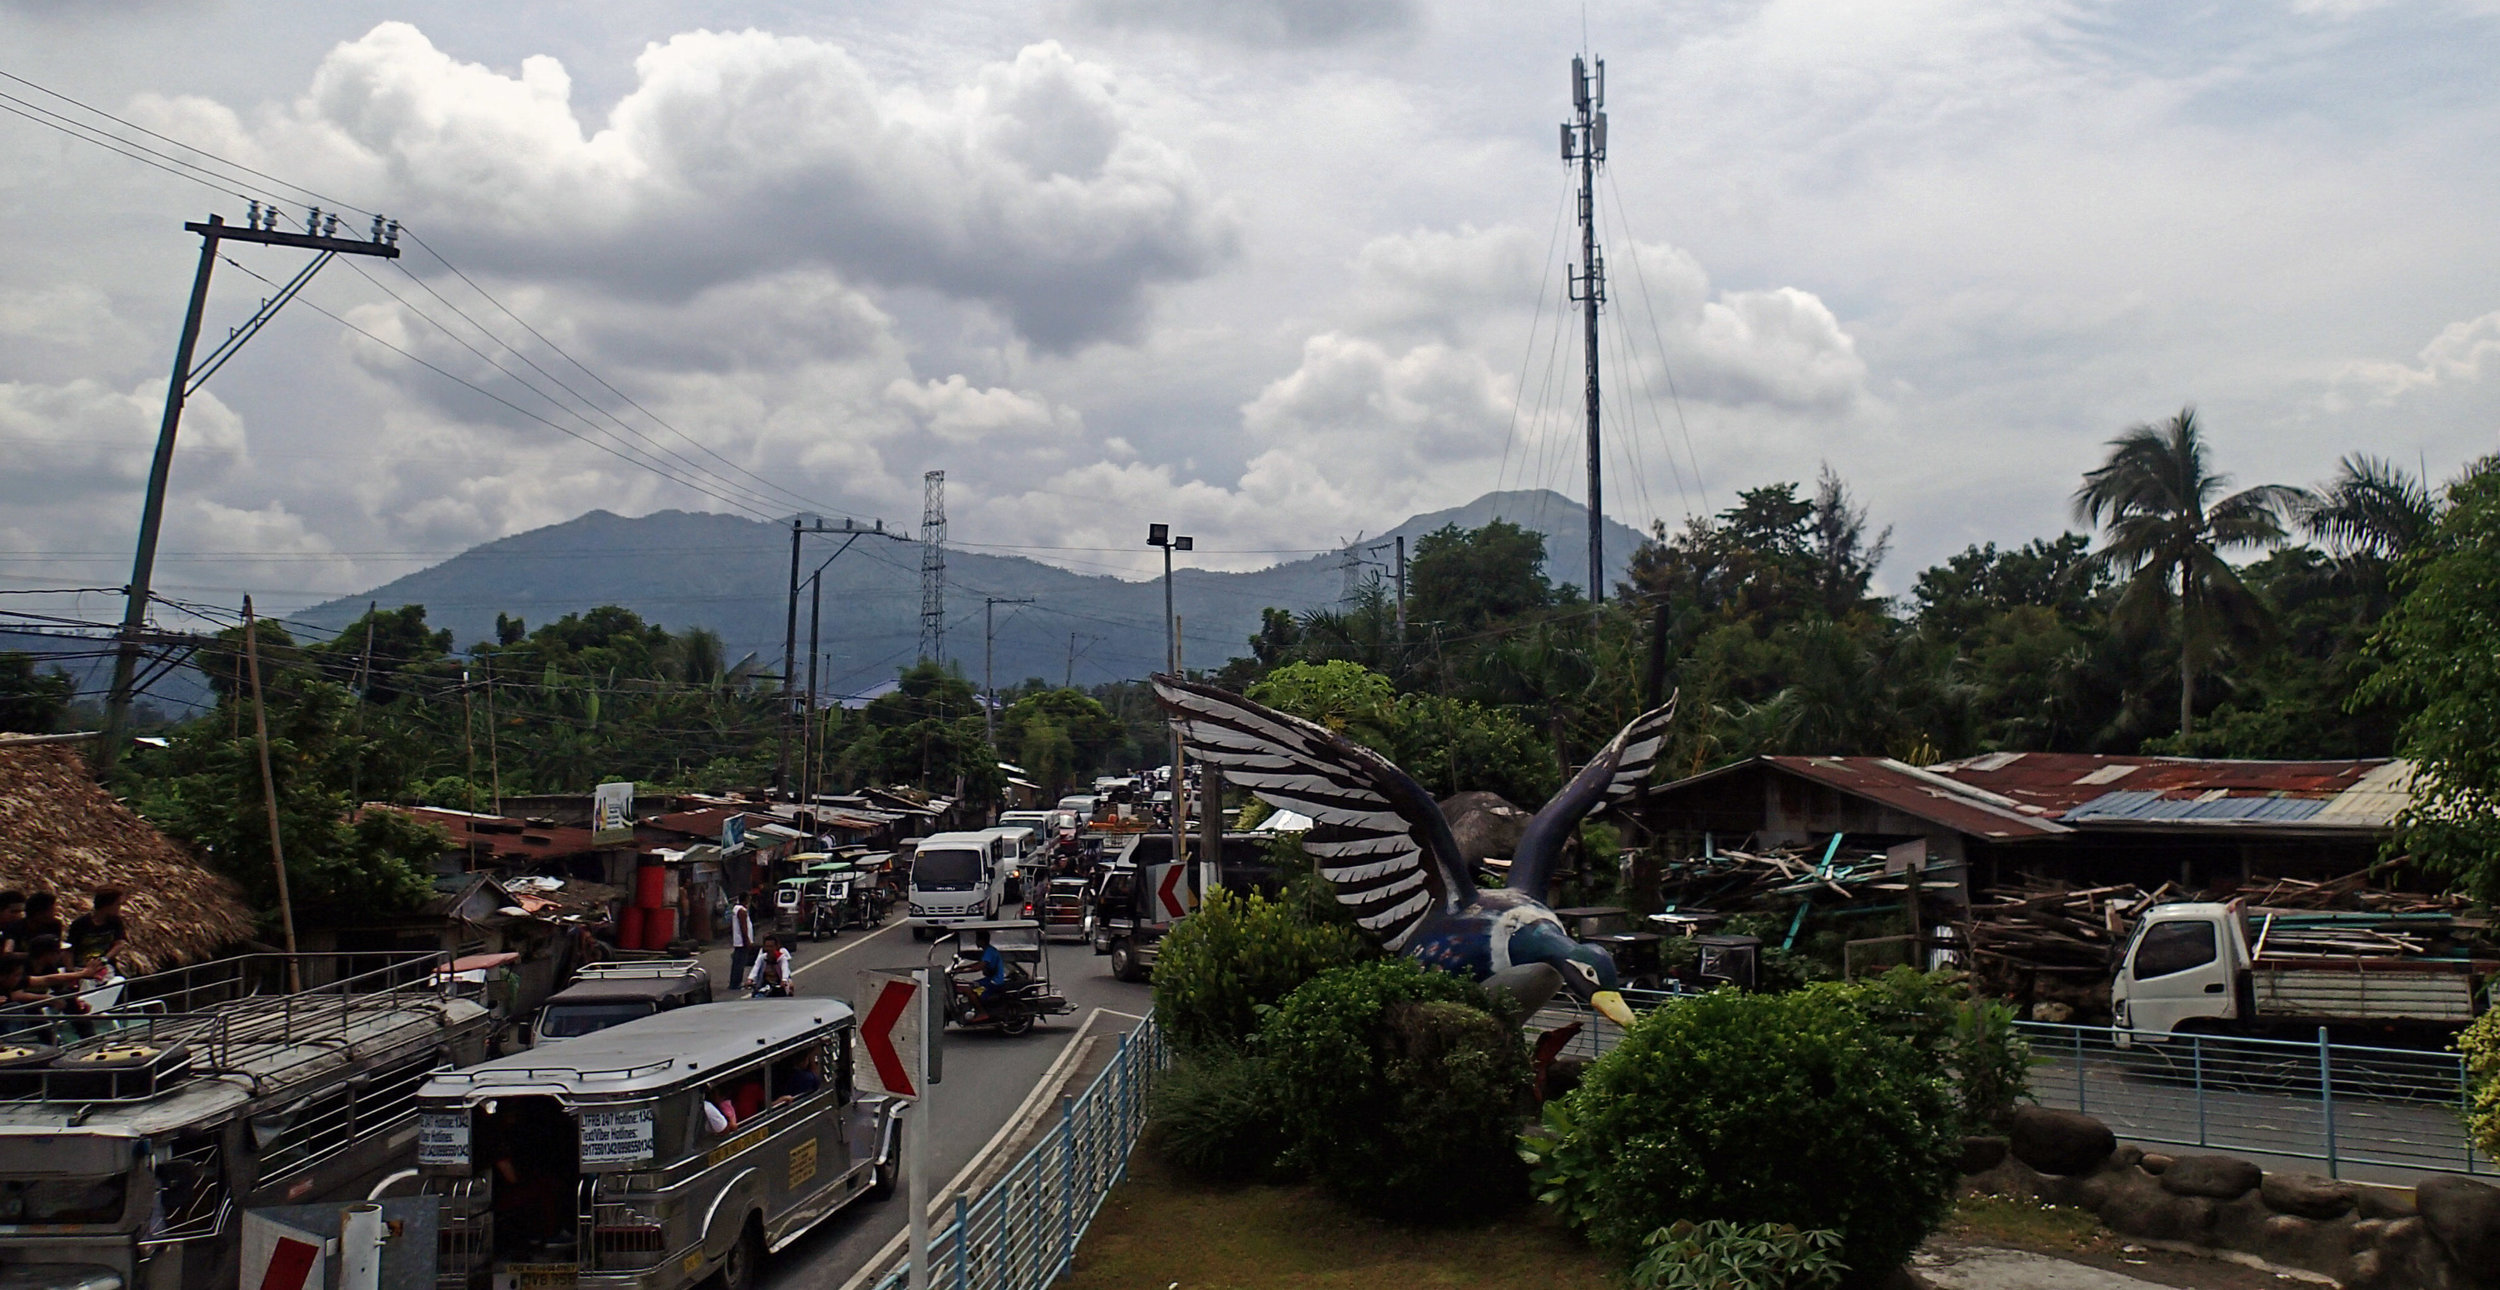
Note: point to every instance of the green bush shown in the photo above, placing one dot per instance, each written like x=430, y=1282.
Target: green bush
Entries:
x=1756, y=1108
x=2480, y=1043
x=1218, y=967
x=1729, y=1256
x=1971, y=1040
x=1402, y=1088
x=1216, y=1118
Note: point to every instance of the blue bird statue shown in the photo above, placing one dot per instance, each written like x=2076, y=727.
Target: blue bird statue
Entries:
x=1381, y=841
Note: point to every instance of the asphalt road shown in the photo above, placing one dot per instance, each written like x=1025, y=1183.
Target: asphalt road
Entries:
x=987, y=1077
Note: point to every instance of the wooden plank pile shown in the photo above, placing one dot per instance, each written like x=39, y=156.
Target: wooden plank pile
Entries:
x=2039, y=926
x=1731, y=882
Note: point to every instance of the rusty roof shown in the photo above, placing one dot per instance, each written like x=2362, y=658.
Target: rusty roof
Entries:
x=505, y=838
x=2088, y=787
x=1924, y=794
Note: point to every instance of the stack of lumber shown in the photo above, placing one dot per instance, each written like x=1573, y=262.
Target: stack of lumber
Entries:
x=2362, y=891
x=1729, y=881
x=2049, y=927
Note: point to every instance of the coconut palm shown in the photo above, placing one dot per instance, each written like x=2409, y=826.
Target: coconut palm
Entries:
x=2372, y=508
x=2165, y=526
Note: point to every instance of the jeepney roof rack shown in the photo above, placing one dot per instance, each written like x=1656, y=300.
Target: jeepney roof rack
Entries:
x=619, y=1058
x=250, y=1015
x=639, y=969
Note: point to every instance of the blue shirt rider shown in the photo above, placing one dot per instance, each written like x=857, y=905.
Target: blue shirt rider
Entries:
x=993, y=968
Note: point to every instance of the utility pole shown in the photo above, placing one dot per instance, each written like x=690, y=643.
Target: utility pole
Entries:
x=989, y=648
x=1584, y=141
x=320, y=235
x=1161, y=535
x=801, y=527
x=269, y=792
x=1401, y=597
x=807, y=732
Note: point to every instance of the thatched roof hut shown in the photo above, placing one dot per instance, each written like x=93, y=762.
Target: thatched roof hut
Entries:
x=61, y=832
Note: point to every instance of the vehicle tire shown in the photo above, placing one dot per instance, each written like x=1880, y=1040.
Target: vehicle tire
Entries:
x=744, y=1268
x=1018, y=1022
x=1123, y=962
x=889, y=1170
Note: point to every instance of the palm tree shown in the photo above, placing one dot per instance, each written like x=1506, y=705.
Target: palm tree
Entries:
x=2165, y=532
x=2371, y=508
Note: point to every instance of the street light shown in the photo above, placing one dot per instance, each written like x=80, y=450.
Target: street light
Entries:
x=1161, y=535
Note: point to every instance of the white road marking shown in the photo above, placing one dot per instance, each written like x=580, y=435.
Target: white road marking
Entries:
x=828, y=957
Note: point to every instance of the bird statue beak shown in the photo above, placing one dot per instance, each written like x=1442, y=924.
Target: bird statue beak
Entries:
x=1612, y=1005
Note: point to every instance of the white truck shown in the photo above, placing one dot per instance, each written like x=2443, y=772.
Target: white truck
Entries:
x=2207, y=968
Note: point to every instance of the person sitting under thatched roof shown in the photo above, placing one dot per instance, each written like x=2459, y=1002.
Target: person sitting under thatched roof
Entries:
x=61, y=832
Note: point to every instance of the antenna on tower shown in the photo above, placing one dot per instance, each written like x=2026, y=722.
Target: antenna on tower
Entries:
x=933, y=566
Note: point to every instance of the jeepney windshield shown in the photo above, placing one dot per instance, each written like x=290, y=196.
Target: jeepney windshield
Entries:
x=564, y=1021
x=947, y=870
x=63, y=1200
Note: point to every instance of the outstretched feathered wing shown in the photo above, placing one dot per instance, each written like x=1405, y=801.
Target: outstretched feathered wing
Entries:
x=1377, y=835
x=1617, y=770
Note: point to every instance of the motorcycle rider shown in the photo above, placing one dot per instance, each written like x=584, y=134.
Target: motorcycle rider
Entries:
x=771, y=976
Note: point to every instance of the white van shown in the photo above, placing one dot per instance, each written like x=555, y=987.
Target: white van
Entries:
x=958, y=878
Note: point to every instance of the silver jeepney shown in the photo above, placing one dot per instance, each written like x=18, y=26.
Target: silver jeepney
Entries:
x=654, y=1154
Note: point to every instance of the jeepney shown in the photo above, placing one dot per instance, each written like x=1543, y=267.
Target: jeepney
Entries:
x=655, y=1154
x=129, y=1151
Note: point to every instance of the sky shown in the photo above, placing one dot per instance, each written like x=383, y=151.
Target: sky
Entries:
x=1276, y=272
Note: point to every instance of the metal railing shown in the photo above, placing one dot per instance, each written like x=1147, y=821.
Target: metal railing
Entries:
x=1021, y=1231
x=2341, y=1104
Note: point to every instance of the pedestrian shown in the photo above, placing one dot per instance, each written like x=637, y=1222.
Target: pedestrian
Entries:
x=48, y=971
x=741, y=940
x=12, y=922
x=40, y=919
x=97, y=936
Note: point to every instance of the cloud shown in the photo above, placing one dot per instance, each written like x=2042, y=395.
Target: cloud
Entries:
x=2459, y=354
x=1261, y=23
x=961, y=414
x=1031, y=187
x=69, y=443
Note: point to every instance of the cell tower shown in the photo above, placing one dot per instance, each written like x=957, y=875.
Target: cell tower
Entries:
x=933, y=566
x=1584, y=142
x=1350, y=564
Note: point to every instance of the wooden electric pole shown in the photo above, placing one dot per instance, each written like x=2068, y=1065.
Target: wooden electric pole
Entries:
x=269, y=791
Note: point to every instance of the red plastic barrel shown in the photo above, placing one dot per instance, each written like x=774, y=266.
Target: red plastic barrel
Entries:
x=659, y=927
x=651, y=886
x=629, y=928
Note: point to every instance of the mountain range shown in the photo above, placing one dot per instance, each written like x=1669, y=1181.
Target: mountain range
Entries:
x=686, y=569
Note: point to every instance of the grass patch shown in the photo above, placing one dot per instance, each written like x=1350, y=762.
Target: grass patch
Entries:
x=2026, y=1225
x=1157, y=1228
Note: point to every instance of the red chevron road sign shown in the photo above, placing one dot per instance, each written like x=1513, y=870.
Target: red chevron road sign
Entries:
x=889, y=1008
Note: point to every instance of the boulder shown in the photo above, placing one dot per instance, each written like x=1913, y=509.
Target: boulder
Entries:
x=2220, y=1177
x=2464, y=1217
x=1979, y=1155
x=2386, y=1202
x=2306, y=1195
x=2154, y=1162
x=1485, y=826
x=2060, y=1142
x=2137, y=1206
x=2127, y=1156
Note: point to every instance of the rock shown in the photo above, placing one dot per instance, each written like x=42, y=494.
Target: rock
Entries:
x=2052, y=1012
x=1484, y=825
x=2367, y=1271
x=2137, y=1206
x=2221, y=1177
x=2060, y=1142
x=1979, y=1154
x=2127, y=1156
x=2306, y=1195
x=2464, y=1216
x=2386, y=1202
x=2368, y=1232
x=2154, y=1162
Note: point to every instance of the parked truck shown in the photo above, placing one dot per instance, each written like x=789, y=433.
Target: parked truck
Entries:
x=2209, y=968
x=1140, y=893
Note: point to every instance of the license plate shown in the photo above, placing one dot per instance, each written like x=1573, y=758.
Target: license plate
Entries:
x=538, y=1276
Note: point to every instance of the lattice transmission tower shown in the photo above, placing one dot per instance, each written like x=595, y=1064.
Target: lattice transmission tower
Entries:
x=933, y=566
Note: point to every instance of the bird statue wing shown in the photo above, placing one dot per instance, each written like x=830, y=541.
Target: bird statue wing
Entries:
x=1378, y=836
x=1613, y=774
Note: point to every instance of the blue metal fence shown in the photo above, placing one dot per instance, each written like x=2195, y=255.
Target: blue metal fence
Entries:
x=1021, y=1231
x=2341, y=1104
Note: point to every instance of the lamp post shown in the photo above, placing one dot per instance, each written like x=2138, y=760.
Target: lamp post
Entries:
x=1161, y=535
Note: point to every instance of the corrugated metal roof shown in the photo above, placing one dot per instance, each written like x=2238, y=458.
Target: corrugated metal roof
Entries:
x=2376, y=801
x=2136, y=805
x=2061, y=782
x=1922, y=794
